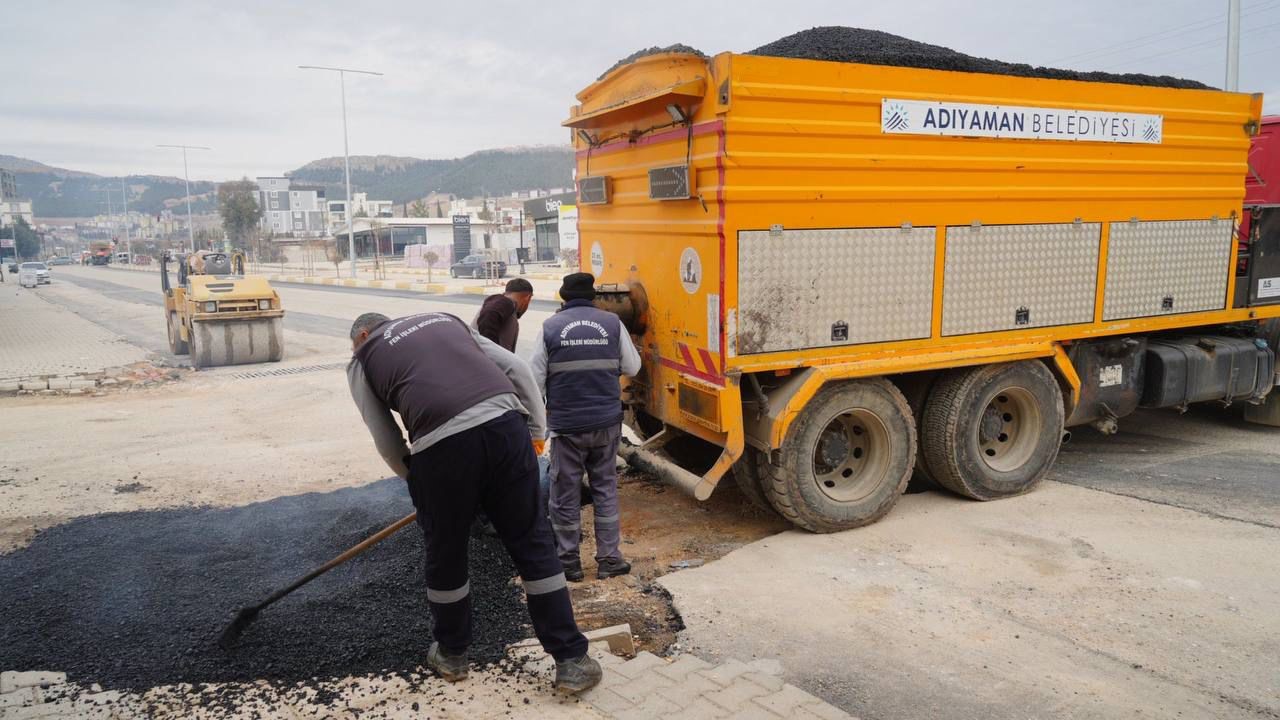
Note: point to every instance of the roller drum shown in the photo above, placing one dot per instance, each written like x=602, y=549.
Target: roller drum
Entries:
x=215, y=343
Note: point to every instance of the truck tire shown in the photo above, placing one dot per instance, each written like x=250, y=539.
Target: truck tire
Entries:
x=993, y=431
x=915, y=388
x=177, y=345
x=846, y=460
x=751, y=479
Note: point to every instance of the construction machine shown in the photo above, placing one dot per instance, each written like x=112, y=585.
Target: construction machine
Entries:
x=217, y=314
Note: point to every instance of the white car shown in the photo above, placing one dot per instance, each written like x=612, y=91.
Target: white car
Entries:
x=40, y=269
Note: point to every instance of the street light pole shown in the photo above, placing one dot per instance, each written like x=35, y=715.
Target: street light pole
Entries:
x=124, y=198
x=186, y=176
x=1233, y=46
x=346, y=152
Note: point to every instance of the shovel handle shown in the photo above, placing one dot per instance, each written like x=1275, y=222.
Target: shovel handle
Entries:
x=355, y=550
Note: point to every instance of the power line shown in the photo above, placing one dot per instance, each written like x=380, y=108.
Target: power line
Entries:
x=1163, y=35
x=1184, y=48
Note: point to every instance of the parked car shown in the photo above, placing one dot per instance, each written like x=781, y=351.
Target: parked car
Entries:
x=60, y=261
x=478, y=266
x=41, y=270
x=13, y=268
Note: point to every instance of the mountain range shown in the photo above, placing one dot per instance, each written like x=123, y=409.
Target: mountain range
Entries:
x=62, y=193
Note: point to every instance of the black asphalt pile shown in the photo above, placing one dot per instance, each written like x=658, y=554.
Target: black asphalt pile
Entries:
x=872, y=47
x=136, y=600
x=676, y=48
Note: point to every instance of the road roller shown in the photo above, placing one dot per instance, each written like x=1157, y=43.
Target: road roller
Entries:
x=218, y=315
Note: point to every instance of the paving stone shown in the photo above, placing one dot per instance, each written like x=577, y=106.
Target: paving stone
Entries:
x=40, y=384
x=820, y=711
x=701, y=709
x=612, y=678
x=606, y=658
x=737, y=695
x=786, y=700
x=606, y=700
x=644, y=686
x=42, y=710
x=642, y=663
x=726, y=673
x=19, y=696
x=687, y=691
x=684, y=666
x=652, y=707
x=768, y=666
x=772, y=683
x=11, y=680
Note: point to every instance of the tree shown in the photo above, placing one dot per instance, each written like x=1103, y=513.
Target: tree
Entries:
x=26, y=241
x=439, y=208
x=432, y=258
x=238, y=206
x=336, y=252
x=418, y=209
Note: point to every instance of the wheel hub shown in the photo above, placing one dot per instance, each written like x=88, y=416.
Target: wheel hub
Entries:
x=833, y=449
x=851, y=456
x=1009, y=429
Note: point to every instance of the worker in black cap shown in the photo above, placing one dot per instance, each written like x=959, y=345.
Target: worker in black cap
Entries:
x=474, y=416
x=583, y=352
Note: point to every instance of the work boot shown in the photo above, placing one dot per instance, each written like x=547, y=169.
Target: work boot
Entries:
x=572, y=570
x=612, y=567
x=580, y=673
x=450, y=667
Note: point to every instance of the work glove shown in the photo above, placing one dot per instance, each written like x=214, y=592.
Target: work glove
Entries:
x=539, y=446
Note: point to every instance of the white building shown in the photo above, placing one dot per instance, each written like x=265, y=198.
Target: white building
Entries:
x=12, y=208
x=291, y=209
x=360, y=203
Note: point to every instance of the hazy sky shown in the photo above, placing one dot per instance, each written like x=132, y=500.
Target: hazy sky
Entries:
x=94, y=85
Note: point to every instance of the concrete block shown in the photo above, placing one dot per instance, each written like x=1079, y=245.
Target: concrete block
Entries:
x=785, y=700
x=34, y=384
x=737, y=695
x=687, y=691
x=700, y=709
x=81, y=384
x=11, y=680
x=607, y=701
x=726, y=673
x=683, y=666
x=19, y=696
x=645, y=685
x=642, y=663
x=772, y=683
x=10, y=386
x=617, y=637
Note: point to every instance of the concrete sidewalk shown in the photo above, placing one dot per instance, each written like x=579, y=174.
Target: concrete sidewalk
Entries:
x=46, y=347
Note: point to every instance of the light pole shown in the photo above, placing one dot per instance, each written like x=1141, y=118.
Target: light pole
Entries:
x=1233, y=46
x=346, y=153
x=124, y=198
x=191, y=233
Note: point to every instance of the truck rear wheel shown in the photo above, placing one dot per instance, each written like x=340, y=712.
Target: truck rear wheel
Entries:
x=177, y=345
x=993, y=431
x=847, y=458
x=752, y=479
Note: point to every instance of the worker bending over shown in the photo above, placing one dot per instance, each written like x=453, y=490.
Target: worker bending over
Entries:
x=474, y=414
x=499, y=316
x=583, y=352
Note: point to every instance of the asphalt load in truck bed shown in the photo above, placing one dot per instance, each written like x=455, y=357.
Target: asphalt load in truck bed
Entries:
x=135, y=600
x=873, y=47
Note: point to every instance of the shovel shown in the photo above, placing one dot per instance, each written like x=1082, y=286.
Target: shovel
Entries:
x=248, y=614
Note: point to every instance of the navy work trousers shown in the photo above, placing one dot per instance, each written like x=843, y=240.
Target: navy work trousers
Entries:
x=490, y=467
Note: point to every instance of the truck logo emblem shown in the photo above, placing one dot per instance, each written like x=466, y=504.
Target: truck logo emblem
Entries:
x=1151, y=133
x=690, y=270
x=896, y=117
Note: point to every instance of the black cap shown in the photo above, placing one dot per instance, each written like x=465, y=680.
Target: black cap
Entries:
x=578, y=286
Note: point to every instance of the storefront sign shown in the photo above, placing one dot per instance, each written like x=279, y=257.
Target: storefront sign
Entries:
x=921, y=117
x=568, y=226
x=461, y=237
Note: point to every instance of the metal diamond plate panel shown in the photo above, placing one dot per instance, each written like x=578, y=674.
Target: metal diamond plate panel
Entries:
x=1006, y=277
x=822, y=288
x=1167, y=267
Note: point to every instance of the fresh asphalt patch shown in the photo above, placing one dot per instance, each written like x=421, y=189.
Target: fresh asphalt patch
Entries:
x=137, y=599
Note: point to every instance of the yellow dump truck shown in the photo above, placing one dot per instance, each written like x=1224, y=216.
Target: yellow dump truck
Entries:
x=217, y=314
x=840, y=274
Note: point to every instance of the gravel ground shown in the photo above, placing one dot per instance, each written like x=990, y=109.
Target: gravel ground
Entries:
x=846, y=44
x=136, y=599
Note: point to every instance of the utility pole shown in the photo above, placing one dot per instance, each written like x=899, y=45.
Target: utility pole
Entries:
x=1233, y=46
x=346, y=152
x=186, y=176
x=124, y=198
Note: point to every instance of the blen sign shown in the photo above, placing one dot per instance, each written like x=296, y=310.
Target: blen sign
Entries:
x=922, y=117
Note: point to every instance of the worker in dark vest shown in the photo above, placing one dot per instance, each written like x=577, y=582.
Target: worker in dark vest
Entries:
x=475, y=419
x=583, y=352
x=499, y=316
